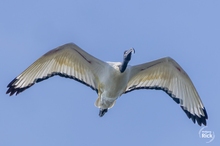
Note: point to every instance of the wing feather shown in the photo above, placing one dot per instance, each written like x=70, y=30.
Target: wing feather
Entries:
x=167, y=75
x=67, y=61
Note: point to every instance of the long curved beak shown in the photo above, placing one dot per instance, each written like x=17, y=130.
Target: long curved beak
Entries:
x=133, y=50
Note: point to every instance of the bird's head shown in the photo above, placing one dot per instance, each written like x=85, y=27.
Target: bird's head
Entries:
x=127, y=58
x=127, y=54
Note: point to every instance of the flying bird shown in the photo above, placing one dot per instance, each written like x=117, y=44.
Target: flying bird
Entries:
x=112, y=79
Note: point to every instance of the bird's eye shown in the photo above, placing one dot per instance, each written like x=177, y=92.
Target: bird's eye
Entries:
x=125, y=52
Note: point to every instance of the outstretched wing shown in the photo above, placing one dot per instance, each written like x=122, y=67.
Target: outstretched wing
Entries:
x=67, y=61
x=167, y=75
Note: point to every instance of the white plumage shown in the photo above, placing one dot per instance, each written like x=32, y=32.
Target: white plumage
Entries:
x=112, y=79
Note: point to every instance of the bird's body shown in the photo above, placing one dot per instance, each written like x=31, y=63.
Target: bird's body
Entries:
x=113, y=85
x=112, y=79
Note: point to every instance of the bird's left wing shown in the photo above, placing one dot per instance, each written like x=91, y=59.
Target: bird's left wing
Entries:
x=167, y=75
x=67, y=61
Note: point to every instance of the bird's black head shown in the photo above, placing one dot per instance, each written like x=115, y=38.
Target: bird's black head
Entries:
x=127, y=54
x=127, y=58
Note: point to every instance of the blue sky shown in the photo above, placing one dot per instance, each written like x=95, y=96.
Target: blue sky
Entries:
x=61, y=111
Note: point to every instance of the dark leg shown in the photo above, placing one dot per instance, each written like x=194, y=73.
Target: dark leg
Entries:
x=102, y=112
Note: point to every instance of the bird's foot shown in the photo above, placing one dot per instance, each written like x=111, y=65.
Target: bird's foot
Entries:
x=102, y=112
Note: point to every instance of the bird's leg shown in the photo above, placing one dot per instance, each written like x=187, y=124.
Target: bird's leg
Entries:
x=102, y=112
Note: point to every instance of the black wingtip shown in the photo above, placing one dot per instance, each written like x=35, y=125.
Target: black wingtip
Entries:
x=13, y=90
x=10, y=91
x=200, y=120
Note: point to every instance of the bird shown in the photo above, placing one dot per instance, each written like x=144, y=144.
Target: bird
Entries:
x=110, y=80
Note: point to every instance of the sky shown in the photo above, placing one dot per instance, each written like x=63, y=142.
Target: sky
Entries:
x=61, y=111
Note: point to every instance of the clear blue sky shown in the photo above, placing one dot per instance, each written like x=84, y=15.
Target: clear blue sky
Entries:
x=61, y=111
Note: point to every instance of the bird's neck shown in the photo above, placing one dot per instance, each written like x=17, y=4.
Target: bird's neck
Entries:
x=123, y=66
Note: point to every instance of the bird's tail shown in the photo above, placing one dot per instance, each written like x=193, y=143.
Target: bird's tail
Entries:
x=102, y=105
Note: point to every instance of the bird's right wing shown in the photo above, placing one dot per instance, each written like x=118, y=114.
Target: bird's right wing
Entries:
x=67, y=61
x=167, y=75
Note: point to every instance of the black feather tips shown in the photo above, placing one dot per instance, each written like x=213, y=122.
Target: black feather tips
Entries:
x=12, y=89
x=201, y=120
x=195, y=118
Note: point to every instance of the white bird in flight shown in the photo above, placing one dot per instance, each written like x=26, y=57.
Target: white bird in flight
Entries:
x=112, y=79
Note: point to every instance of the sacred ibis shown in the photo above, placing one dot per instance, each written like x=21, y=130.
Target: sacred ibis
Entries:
x=112, y=79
